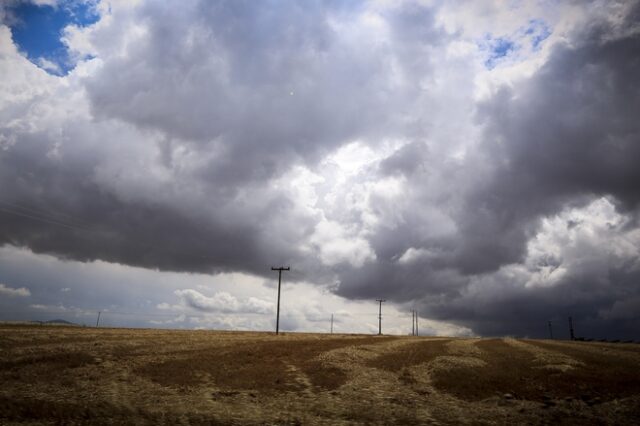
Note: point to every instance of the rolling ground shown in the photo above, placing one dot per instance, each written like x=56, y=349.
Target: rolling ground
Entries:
x=75, y=375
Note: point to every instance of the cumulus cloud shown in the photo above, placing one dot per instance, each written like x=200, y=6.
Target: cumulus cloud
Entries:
x=14, y=292
x=223, y=302
x=477, y=162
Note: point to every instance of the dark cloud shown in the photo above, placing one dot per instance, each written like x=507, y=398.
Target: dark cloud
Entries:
x=591, y=301
x=261, y=85
x=178, y=150
x=557, y=141
x=57, y=206
x=405, y=160
x=568, y=134
x=217, y=98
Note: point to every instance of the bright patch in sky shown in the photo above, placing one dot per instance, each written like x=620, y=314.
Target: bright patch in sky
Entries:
x=499, y=48
x=526, y=39
x=38, y=31
x=539, y=31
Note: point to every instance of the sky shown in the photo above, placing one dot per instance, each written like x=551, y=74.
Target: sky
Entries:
x=477, y=162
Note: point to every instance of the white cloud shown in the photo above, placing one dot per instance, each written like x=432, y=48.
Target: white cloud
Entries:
x=413, y=255
x=48, y=65
x=53, y=3
x=178, y=319
x=337, y=244
x=572, y=241
x=223, y=302
x=14, y=292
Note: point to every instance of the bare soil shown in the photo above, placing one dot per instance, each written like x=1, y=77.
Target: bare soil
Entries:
x=73, y=375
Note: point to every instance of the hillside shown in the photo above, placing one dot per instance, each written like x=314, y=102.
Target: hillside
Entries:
x=112, y=376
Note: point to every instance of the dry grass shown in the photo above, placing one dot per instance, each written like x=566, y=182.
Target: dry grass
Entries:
x=509, y=369
x=410, y=355
x=71, y=375
x=267, y=366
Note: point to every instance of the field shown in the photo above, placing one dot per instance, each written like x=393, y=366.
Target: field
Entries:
x=75, y=375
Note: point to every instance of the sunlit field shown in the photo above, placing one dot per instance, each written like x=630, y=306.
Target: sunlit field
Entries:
x=76, y=375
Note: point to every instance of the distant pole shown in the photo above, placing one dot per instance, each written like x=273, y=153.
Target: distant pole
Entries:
x=417, y=330
x=331, y=323
x=571, y=329
x=280, y=269
x=380, y=316
x=550, y=331
x=98, y=320
x=413, y=323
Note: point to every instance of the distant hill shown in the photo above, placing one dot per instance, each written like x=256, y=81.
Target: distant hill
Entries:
x=55, y=322
x=59, y=321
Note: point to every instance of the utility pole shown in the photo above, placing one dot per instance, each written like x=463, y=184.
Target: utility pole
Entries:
x=550, y=331
x=98, y=320
x=413, y=322
x=280, y=269
x=571, y=329
x=331, y=323
x=380, y=316
x=417, y=331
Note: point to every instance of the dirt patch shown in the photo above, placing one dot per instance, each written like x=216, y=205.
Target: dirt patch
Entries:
x=261, y=366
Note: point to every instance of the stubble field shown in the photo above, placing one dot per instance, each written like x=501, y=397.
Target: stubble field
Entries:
x=73, y=375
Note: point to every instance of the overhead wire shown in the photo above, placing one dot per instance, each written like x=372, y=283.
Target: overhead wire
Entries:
x=15, y=209
x=39, y=218
x=49, y=217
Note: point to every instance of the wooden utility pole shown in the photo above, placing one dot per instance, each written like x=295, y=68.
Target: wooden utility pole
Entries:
x=280, y=269
x=380, y=316
x=413, y=322
x=571, y=329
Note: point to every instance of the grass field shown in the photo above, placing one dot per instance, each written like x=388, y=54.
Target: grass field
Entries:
x=73, y=375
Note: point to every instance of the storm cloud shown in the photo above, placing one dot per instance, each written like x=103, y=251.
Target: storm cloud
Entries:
x=381, y=150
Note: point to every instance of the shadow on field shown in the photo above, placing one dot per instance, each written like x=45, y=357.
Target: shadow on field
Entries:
x=513, y=371
x=94, y=413
x=44, y=368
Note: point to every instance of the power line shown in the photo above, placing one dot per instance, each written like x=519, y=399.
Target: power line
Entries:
x=44, y=218
x=61, y=217
x=41, y=219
